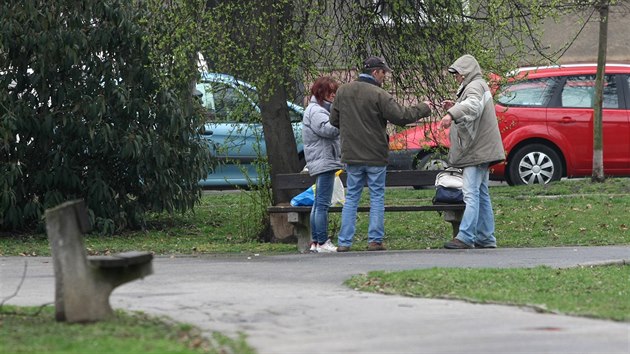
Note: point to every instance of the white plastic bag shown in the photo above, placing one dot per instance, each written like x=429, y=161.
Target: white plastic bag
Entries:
x=339, y=193
x=451, y=177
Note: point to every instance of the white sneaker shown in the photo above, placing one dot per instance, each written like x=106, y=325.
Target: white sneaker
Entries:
x=313, y=248
x=327, y=247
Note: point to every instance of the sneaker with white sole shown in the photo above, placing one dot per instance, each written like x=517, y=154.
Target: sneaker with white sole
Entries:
x=313, y=248
x=327, y=247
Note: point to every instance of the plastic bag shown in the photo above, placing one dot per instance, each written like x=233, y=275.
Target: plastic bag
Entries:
x=339, y=193
x=308, y=196
x=305, y=198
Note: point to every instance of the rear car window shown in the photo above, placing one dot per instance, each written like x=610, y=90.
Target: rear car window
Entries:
x=227, y=104
x=527, y=93
x=578, y=92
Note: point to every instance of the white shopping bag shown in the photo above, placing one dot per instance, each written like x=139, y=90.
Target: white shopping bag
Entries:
x=339, y=193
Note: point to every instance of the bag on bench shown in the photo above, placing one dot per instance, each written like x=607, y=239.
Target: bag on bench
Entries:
x=307, y=197
x=448, y=186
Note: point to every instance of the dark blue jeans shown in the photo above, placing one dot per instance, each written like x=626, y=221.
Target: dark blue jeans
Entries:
x=319, y=213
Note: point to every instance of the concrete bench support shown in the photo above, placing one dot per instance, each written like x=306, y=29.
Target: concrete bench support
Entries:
x=455, y=218
x=83, y=284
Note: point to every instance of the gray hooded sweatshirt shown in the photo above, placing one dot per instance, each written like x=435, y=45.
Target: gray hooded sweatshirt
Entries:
x=475, y=137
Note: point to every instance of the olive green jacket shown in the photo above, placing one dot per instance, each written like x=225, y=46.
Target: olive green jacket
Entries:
x=361, y=111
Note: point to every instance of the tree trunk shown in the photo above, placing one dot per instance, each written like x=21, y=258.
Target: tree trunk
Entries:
x=279, y=139
x=598, y=148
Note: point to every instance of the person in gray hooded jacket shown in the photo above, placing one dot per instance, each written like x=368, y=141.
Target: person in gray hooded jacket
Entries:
x=323, y=157
x=475, y=145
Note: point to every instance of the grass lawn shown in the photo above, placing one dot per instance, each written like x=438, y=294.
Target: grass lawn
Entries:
x=601, y=291
x=28, y=330
x=566, y=213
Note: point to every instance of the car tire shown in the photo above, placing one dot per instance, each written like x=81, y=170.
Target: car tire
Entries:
x=430, y=162
x=534, y=164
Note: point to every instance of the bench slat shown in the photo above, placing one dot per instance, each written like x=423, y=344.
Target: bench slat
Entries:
x=395, y=208
x=394, y=178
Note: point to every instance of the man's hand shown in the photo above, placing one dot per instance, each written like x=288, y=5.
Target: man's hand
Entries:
x=447, y=104
x=446, y=121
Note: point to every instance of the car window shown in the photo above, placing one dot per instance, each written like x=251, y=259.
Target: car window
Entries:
x=226, y=104
x=295, y=115
x=579, y=92
x=534, y=92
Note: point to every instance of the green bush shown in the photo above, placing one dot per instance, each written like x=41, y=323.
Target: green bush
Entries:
x=86, y=116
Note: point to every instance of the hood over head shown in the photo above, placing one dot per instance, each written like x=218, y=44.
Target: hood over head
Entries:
x=467, y=66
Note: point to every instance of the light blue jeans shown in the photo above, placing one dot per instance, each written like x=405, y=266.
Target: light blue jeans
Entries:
x=319, y=213
x=477, y=224
x=357, y=176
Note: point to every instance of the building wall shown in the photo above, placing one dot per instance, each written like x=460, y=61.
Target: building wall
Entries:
x=584, y=49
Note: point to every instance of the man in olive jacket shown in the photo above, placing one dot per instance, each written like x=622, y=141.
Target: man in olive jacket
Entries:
x=475, y=146
x=361, y=111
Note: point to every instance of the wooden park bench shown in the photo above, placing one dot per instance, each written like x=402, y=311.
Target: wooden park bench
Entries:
x=84, y=283
x=299, y=216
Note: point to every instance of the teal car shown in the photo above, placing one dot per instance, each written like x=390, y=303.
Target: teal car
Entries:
x=234, y=130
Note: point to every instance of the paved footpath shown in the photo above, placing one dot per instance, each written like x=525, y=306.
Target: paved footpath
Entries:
x=298, y=304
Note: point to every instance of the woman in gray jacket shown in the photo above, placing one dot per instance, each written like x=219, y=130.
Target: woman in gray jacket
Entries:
x=323, y=157
x=475, y=146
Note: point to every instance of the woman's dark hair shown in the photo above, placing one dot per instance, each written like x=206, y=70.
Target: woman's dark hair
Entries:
x=323, y=87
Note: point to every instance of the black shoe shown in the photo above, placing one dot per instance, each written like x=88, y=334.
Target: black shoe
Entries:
x=456, y=244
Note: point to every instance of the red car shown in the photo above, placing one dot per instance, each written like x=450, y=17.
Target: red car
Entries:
x=546, y=120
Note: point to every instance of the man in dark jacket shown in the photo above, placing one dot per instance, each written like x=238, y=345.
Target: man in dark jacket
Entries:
x=361, y=111
x=475, y=145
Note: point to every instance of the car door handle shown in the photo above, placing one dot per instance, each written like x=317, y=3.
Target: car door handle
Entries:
x=567, y=120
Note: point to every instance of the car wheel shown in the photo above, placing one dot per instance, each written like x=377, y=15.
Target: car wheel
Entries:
x=535, y=164
x=430, y=162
